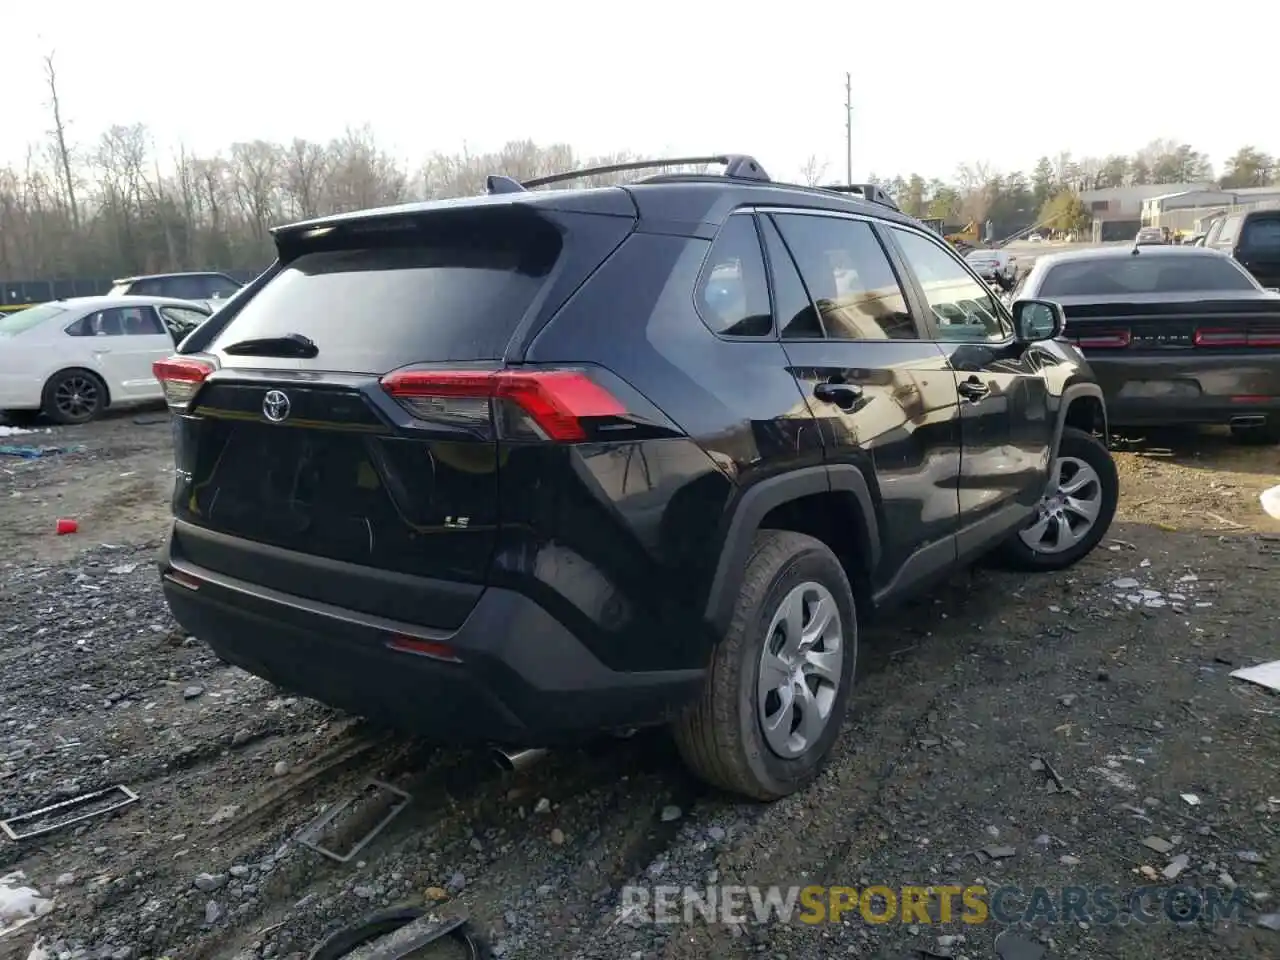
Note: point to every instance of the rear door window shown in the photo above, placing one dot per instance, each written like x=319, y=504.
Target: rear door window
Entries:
x=1204, y=273
x=371, y=309
x=849, y=278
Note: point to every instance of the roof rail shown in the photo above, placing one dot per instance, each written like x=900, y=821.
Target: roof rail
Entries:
x=868, y=191
x=737, y=166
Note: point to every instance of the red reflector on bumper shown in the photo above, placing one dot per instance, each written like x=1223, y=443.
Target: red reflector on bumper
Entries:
x=423, y=648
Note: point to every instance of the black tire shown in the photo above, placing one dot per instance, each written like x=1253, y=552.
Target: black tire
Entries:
x=1076, y=444
x=88, y=389
x=1263, y=435
x=720, y=736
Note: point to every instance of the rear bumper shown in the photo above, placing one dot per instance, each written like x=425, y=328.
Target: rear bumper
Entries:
x=1215, y=389
x=522, y=678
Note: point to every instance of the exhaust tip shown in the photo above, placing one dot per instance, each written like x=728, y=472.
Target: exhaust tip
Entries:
x=1250, y=421
x=512, y=760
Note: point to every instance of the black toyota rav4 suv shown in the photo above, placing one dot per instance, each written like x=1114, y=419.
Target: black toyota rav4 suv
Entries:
x=529, y=467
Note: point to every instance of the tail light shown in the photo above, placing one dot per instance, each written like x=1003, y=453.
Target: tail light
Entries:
x=1105, y=340
x=180, y=378
x=1236, y=338
x=552, y=403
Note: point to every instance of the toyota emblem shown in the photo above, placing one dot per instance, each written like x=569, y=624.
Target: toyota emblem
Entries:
x=275, y=406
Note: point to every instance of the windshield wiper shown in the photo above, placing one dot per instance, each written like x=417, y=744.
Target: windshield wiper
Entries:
x=293, y=345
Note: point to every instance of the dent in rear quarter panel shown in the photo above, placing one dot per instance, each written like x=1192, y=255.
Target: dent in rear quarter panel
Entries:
x=642, y=523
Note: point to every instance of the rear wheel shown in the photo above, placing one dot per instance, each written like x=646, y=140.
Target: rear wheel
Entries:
x=1075, y=512
x=1265, y=433
x=779, y=682
x=74, y=396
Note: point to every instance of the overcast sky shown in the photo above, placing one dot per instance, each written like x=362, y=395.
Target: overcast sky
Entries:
x=935, y=83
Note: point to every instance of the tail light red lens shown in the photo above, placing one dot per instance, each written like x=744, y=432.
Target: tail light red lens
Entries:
x=554, y=401
x=1105, y=340
x=1236, y=338
x=180, y=378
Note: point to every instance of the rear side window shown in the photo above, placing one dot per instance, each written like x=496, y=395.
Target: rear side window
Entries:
x=733, y=292
x=1145, y=274
x=1261, y=235
x=849, y=278
x=371, y=309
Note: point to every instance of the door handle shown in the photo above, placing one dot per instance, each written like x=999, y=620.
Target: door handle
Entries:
x=843, y=395
x=973, y=389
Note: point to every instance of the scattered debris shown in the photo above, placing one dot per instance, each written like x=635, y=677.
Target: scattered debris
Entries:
x=1191, y=799
x=1012, y=946
x=999, y=853
x=669, y=813
x=193, y=691
x=19, y=904
x=1176, y=866
x=39, y=822
x=1271, y=502
x=66, y=525
x=399, y=800
x=1269, y=921
x=1264, y=674
x=1158, y=844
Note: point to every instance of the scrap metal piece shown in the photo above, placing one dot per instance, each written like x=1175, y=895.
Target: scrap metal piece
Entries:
x=310, y=833
x=12, y=826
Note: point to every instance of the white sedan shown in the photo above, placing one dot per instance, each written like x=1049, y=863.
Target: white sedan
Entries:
x=72, y=359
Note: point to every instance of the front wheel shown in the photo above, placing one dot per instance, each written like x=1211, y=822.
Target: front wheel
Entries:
x=778, y=686
x=1076, y=511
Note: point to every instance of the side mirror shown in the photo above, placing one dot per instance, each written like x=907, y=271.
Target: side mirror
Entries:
x=1038, y=320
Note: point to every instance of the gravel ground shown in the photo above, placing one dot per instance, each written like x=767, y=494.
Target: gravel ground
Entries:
x=1054, y=722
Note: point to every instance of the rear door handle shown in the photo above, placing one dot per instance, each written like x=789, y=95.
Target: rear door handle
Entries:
x=843, y=395
x=973, y=389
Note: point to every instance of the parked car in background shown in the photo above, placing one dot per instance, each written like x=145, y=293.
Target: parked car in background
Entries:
x=1253, y=239
x=73, y=359
x=1035, y=238
x=532, y=467
x=1150, y=235
x=995, y=266
x=211, y=289
x=1175, y=335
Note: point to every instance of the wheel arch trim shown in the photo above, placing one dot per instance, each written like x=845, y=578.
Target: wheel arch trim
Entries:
x=752, y=507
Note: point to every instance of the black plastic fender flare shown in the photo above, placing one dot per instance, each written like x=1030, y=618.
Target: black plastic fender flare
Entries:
x=756, y=502
x=1069, y=396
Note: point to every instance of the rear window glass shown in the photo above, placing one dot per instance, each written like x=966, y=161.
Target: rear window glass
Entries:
x=376, y=308
x=1144, y=274
x=12, y=324
x=1261, y=234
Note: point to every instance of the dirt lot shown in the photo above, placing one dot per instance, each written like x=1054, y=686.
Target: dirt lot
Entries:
x=972, y=710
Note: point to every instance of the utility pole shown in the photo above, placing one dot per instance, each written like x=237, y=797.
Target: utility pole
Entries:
x=848, y=126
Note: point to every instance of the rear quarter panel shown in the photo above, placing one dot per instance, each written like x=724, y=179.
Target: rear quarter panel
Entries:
x=647, y=519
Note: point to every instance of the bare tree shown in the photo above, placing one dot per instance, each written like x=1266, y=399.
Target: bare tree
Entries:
x=813, y=171
x=60, y=140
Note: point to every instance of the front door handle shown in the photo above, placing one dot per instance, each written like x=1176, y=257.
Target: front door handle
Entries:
x=973, y=389
x=843, y=395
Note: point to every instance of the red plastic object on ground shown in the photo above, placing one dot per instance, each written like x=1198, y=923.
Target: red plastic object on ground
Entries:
x=67, y=526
